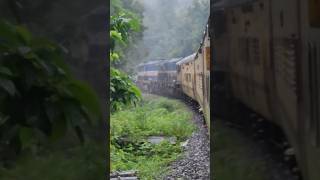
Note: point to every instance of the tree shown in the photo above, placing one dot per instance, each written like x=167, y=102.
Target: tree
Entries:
x=123, y=91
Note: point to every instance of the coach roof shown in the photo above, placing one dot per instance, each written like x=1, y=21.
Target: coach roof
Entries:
x=220, y=4
x=187, y=59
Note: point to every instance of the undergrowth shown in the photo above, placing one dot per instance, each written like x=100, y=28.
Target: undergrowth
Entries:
x=130, y=129
x=235, y=156
x=80, y=162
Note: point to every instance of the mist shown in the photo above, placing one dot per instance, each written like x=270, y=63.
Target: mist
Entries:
x=172, y=28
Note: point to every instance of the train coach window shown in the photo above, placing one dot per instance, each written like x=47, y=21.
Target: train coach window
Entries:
x=255, y=51
x=233, y=20
x=208, y=58
x=208, y=88
x=281, y=19
x=314, y=13
x=261, y=6
x=314, y=94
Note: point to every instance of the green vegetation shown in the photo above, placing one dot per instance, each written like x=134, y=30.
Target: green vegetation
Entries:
x=123, y=24
x=130, y=129
x=35, y=82
x=48, y=118
x=234, y=156
x=68, y=162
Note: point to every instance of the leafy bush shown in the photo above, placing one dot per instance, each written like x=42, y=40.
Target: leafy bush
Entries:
x=39, y=99
x=123, y=91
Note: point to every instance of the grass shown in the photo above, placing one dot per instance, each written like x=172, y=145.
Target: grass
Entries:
x=73, y=163
x=130, y=129
x=234, y=156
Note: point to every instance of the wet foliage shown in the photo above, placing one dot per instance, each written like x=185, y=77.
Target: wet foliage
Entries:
x=39, y=98
x=130, y=129
x=123, y=24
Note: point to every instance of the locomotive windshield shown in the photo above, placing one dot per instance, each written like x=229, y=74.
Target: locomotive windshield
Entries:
x=170, y=66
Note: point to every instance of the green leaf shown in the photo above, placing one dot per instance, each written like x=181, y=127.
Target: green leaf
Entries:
x=8, y=86
x=116, y=36
x=136, y=90
x=79, y=133
x=26, y=136
x=8, y=36
x=114, y=56
x=5, y=71
x=24, y=50
x=24, y=34
x=72, y=112
x=88, y=97
x=59, y=129
x=3, y=119
x=135, y=24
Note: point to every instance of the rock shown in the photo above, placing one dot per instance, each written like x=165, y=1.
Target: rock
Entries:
x=127, y=173
x=155, y=139
x=124, y=175
x=159, y=139
x=172, y=140
x=184, y=144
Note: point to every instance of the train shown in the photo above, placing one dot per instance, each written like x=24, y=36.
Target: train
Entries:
x=267, y=57
x=264, y=54
x=158, y=76
x=189, y=76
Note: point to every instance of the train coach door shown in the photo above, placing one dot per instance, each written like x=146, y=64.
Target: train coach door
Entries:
x=310, y=87
x=286, y=57
x=194, y=81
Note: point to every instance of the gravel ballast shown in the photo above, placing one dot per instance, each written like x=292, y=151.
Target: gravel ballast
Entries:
x=195, y=163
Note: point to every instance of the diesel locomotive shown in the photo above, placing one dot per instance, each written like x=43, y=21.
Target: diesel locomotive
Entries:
x=189, y=75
